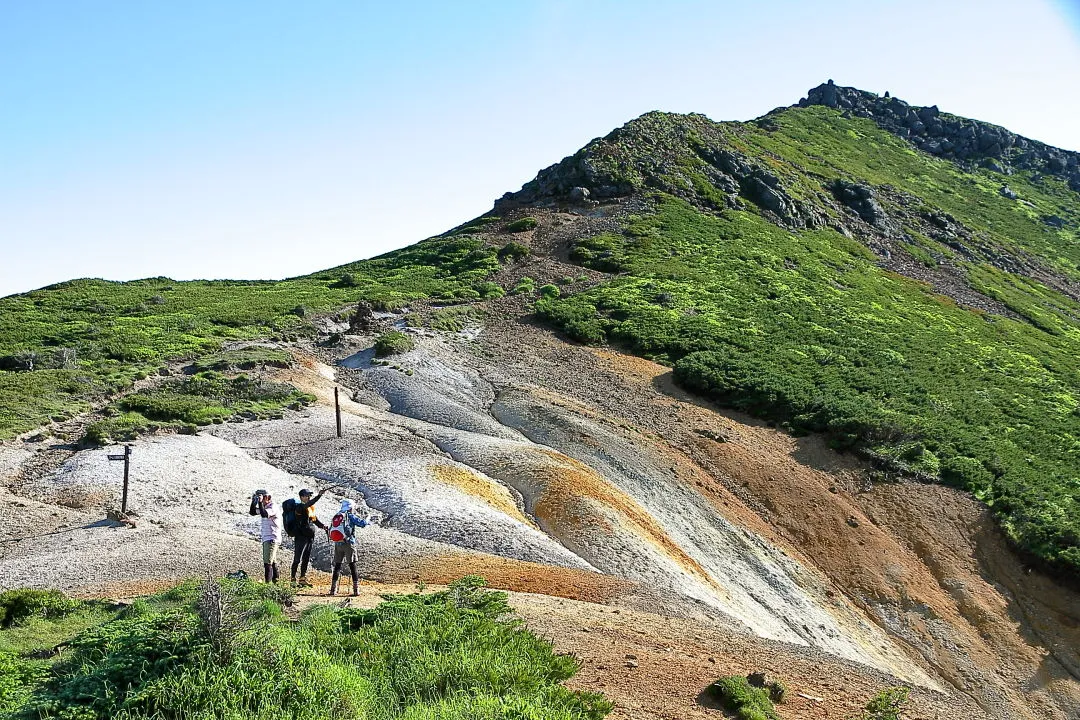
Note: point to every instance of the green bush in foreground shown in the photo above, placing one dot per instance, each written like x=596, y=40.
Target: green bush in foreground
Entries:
x=742, y=699
x=394, y=342
x=227, y=651
x=19, y=605
x=18, y=678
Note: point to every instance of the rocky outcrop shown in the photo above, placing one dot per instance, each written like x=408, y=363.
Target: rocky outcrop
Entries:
x=684, y=155
x=861, y=199
x=967, y=141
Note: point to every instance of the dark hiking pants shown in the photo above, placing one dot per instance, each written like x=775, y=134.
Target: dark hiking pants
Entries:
x=302, y=553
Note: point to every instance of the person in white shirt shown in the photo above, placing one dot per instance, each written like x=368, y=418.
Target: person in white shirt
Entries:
x=263, y=504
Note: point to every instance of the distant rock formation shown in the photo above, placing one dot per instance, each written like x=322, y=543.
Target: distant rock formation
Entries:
x=948, y=136
x=683, y=155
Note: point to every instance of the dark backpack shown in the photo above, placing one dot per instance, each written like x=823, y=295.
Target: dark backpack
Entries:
x=289, y=521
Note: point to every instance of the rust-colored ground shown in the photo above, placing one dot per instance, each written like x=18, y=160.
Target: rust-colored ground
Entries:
x=504, y=574
x=562, y=503
x=924, y=561
x=480, y=487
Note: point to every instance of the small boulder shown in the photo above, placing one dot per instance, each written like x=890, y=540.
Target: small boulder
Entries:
x=579, y=194
x=861, y=199
x=1008, y=192
x=363, y=320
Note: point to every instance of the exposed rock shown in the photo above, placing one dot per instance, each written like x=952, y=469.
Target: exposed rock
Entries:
x=1054, y=221
x=363, y=320
x=861, y=199
x=1008, y=192
x=720, y=437
x=967, y=141
x=757, y=679
x=579, y=194
x=678, y=154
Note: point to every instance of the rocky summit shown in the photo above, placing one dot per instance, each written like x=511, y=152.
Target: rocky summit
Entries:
x=949, y=136
x=789, y=403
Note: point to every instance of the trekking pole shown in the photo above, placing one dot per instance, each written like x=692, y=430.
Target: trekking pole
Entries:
x=337, y=411
x=126, y=457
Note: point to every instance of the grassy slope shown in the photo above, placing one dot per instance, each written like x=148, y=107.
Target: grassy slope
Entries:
x=454, y=654
x=805, y=329
x=90, y=338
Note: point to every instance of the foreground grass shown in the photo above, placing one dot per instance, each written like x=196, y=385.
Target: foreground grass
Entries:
x=226, y=650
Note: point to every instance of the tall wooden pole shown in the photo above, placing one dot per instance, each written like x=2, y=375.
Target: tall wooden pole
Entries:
x=127, y=469
x=337, y=411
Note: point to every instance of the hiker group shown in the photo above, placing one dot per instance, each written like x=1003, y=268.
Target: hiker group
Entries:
x=295, y=518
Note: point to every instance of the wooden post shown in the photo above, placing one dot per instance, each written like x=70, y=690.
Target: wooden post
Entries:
x=127, y=470
x=337, y=411
x=126, y=457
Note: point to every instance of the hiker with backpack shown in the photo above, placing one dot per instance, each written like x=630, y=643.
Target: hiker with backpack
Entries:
x=270, y=531
x=343, y=534
x=298, y=518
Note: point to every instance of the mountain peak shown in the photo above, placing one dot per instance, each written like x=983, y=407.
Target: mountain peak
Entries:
x=971, y=142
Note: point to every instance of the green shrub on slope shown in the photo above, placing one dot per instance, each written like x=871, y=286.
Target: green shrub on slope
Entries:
x=93, y=338
x=805, y=330
x=202, y=399
x=742, y=699
x=394, y=342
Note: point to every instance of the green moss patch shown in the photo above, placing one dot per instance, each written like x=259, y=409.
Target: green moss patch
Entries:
x=184, y=404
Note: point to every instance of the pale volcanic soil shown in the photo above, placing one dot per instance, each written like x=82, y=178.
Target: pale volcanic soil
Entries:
x=662, y=540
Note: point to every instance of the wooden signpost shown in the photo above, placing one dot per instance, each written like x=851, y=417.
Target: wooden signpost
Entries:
x=337, y=411
x=126, y=457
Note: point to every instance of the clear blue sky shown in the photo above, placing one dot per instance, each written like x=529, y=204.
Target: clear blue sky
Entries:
x=271, y=139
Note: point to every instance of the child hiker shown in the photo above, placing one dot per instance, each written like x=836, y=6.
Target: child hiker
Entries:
x=343, y=534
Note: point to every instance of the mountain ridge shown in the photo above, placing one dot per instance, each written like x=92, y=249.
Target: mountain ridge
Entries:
x=812, y=199
x=950, y=136
x=648, y=374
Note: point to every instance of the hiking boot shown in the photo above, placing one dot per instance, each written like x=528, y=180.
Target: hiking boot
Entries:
x=333, y=585
x=304, y=582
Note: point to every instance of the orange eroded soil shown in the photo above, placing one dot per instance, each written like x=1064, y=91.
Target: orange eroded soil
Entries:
x=480, y=487
x=561, y=503
x=930, y=556
x=504, y=574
